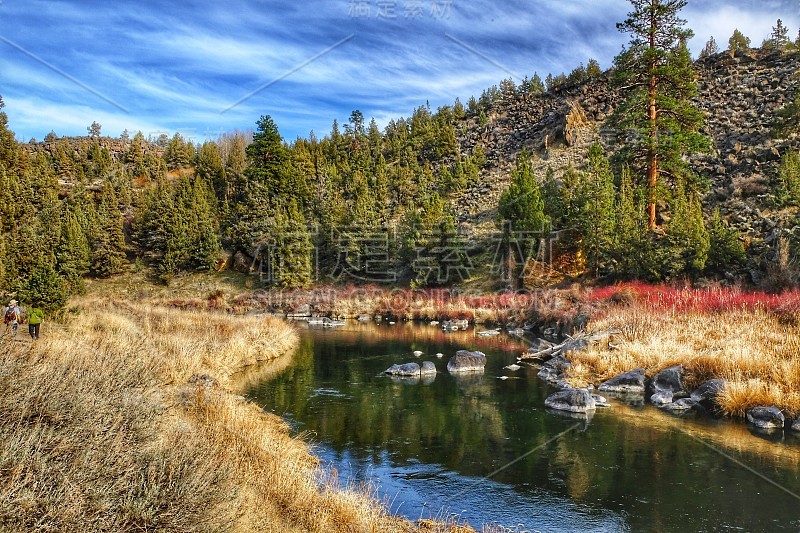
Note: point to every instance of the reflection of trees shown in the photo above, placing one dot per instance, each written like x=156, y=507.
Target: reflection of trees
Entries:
x=634, y=460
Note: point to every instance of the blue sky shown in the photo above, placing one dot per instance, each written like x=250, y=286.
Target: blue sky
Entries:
x=162, y=67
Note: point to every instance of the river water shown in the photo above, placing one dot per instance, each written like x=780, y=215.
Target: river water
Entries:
x=485, y=451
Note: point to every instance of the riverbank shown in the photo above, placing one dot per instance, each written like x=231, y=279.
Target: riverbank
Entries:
x=751, y=340
x=119, y=419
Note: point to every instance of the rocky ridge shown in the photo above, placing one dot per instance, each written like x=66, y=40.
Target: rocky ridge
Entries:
x=739, y=96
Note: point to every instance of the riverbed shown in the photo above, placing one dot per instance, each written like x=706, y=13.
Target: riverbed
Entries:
x=484, y=450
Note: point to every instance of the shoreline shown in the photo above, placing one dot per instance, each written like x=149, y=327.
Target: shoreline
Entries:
x=147, y=386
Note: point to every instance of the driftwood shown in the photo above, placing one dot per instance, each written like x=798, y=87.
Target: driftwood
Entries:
x=548, y=353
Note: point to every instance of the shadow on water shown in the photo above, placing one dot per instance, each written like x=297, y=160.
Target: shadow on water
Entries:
x=487, y=451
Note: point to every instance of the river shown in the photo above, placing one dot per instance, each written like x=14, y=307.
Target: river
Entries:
x=484, y=450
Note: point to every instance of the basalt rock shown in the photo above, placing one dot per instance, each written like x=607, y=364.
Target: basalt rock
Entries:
x=625, y=383
x=466, y=361
x=666, y=384
x=572, y=400
x=427, y=368
x=407, y=369
x=765, y=417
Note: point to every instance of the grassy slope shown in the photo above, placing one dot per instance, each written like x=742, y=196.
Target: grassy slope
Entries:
x=101, y=430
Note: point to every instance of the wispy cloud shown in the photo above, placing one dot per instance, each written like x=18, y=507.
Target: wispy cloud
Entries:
x=174, y=66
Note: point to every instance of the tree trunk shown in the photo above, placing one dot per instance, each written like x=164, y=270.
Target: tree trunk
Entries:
x=652, y=164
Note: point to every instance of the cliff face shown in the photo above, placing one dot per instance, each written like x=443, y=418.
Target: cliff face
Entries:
x=739, y=96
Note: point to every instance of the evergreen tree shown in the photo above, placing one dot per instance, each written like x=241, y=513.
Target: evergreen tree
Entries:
x=108, y=241
x=726, y=250
x=711, y=48
x=657, y=81
x=630, y=227
x=779, y=38
x=596, y=214
x=73, y=254
x=94, y=130
x=788, y=182
x=687, y=242
x=593, y=69
x=521, y=217
x=737, y=42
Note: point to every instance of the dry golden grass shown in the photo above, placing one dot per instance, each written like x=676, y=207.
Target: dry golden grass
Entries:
x=100, y=430
x=756, y=352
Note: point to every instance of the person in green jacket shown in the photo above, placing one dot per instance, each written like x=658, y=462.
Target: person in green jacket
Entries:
x=35, y=318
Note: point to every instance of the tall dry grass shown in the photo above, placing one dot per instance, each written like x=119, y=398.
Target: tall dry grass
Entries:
x=102, y=430
x=754, y=349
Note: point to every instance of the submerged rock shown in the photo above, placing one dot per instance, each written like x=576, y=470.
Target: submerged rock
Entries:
x=765, y=417
x=408, y=369
x=627, y=382
x=466, y=361
x=684, y=404
x=666, y=384
x=572, y=400
x=600, y=401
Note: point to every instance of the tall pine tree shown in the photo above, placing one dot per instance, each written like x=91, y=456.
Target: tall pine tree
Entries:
x=657, y=81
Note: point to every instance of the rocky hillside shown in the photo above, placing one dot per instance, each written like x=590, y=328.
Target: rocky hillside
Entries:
x=739, y=95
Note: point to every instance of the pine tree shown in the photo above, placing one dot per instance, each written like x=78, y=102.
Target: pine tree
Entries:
x=108, y=242
x=521, y=217
x=73, y=253
x=687, y=240
x=737, y=42
x=596, y=212
x=710, y=49
x=779, y=38
x=657, y=81
x=630, y=228
x=726, y=250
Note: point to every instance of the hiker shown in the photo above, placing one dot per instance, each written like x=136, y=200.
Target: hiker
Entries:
x=11, y=317
x=35, y=318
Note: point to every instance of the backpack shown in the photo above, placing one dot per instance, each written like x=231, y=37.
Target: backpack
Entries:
x=11, y=315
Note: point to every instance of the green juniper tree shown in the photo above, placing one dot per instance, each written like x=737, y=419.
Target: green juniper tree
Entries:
x=521, y=218
x=657, y=81
x=596, y=211
x=726, y=250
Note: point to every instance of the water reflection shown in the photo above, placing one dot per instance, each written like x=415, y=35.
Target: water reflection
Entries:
x=429, y=446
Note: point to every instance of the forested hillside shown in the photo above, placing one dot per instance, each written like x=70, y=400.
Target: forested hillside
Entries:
x=528, y=184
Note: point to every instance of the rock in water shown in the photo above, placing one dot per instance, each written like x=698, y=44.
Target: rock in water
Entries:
x=427, y=368
x=572, y=400
x=408, y=369
x=513, y=367
x=666, y=384
x=796, y=425
x=466, y=361
x=706, y=394
x=765, y=417
x=627, y=382
x=417, y=353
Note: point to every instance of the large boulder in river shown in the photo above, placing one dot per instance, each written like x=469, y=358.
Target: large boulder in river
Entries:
x=765, y=417
x=572, y=400
x=466, y=361
x=427, y=368
x=627, y=382
x=796, y=425
x=706, y=394
x=666, y=384
x=408, y=369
